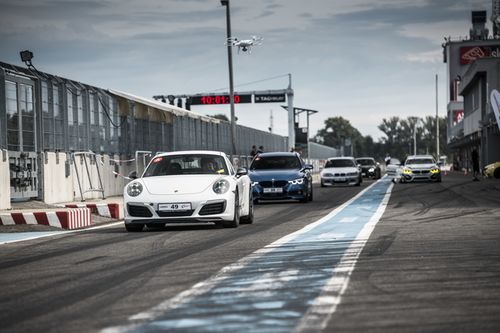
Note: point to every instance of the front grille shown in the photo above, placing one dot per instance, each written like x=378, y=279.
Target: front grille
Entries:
x=420, y=171
x=175, y=214
x=276, y=183
x=339, y=174
x=213, y=208
x=138, y=211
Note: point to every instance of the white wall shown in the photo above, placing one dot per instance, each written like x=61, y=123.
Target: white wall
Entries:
x=4, y=180
x=58, y=188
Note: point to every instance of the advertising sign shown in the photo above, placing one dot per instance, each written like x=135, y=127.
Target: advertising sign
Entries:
x=470, y=53
x=269, y=98
x=458, y=116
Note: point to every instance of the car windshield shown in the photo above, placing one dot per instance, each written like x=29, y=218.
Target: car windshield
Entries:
x=394, y=161
x=339, y=163
x=275, y=162
x=195, y=164
x=420, y=161
x=366, y=161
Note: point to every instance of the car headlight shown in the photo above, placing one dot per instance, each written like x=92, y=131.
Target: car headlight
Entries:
x=298, y=181
x=407, y=171
x=221, y=186
x=435, y=170
x=371, y=170
x=134, y=189
x=255, y=183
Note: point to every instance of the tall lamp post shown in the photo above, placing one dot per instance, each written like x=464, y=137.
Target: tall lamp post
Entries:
x=231, y=83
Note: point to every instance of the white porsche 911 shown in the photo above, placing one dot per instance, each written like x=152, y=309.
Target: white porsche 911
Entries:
x=188, y=187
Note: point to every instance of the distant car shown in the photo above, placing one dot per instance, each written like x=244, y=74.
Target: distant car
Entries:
x=188, y=187
x=369, y=167
x=492, y=170
x=280, y=176
x=393, y=167
x=341, y=170
x=420, y=167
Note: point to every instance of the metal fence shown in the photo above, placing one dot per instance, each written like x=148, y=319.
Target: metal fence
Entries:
x=69, y=116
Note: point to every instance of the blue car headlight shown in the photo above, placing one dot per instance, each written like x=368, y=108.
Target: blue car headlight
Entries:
x=298, y=181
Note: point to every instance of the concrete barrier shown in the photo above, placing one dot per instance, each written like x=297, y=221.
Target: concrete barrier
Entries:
x=4, y=180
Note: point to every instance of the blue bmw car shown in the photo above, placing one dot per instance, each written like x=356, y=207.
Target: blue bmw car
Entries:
x=280, y=176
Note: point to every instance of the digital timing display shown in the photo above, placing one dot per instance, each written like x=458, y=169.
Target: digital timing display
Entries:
x=219, y=99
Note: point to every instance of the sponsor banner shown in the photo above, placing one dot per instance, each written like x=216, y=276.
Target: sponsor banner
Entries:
x=470, y=53
x=458, y=116
x=495, y=104
x=269, y=98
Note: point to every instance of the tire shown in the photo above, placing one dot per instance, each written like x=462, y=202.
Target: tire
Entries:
x=136, y=227
x=236, y=219
x=323, y=184
x=496, y=173
x=249, y=218
x=310, y=197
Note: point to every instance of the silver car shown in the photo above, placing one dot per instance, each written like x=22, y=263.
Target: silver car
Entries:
x=420, y=167
x=341, y=170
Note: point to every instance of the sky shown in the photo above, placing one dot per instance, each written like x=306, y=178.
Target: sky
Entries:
x=359, y=59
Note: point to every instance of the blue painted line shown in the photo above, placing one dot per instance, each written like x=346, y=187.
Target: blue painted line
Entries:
x=12, y=237
x=274, y=291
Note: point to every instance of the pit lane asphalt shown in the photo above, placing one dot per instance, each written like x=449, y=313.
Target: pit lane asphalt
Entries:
x=97, y=279
x=432, y=263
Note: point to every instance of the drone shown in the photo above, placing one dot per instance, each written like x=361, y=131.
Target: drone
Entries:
x=244, y=44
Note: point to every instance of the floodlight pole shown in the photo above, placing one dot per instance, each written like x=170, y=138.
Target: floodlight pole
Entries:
x=437, y=121
x=291, y=115
x=231, y=83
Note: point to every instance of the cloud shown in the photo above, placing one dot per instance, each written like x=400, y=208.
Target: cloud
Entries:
x=434, y=56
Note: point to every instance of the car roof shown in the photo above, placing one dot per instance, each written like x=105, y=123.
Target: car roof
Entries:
x=365, y=158
x=278, y=153
x=419, y=157
x=341, y=158
x=192, y=152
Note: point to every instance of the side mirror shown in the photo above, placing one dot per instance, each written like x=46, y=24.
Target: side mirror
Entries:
x=133, y=175
x=241, y=172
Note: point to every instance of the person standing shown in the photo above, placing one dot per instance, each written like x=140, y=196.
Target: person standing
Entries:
x=261, y=150
x=475, y=164
x=253, y=152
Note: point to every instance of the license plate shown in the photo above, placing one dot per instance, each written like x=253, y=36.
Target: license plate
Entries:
x=273, y=190
x=174, y=207
x=340, y=179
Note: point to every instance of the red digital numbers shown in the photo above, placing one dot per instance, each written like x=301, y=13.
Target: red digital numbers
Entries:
x=219, y=99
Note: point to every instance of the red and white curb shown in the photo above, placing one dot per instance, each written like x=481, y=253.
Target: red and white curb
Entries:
x=67, y=219
x=103, y=209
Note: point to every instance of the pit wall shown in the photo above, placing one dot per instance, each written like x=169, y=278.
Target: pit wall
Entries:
x=64, y=181
x=4, y=180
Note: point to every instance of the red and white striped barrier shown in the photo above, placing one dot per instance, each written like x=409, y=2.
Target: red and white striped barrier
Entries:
x=66, y=219
x=103, y=209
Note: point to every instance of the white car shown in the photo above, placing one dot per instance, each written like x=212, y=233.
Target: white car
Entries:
x=393, y=168
x=188, y=187
x=420, y=167
x=341, y=170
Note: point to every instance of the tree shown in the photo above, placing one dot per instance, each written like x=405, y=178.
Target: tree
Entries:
x=337, y=132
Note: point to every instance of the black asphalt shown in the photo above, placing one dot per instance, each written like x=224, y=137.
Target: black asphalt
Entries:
x=431, y=264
